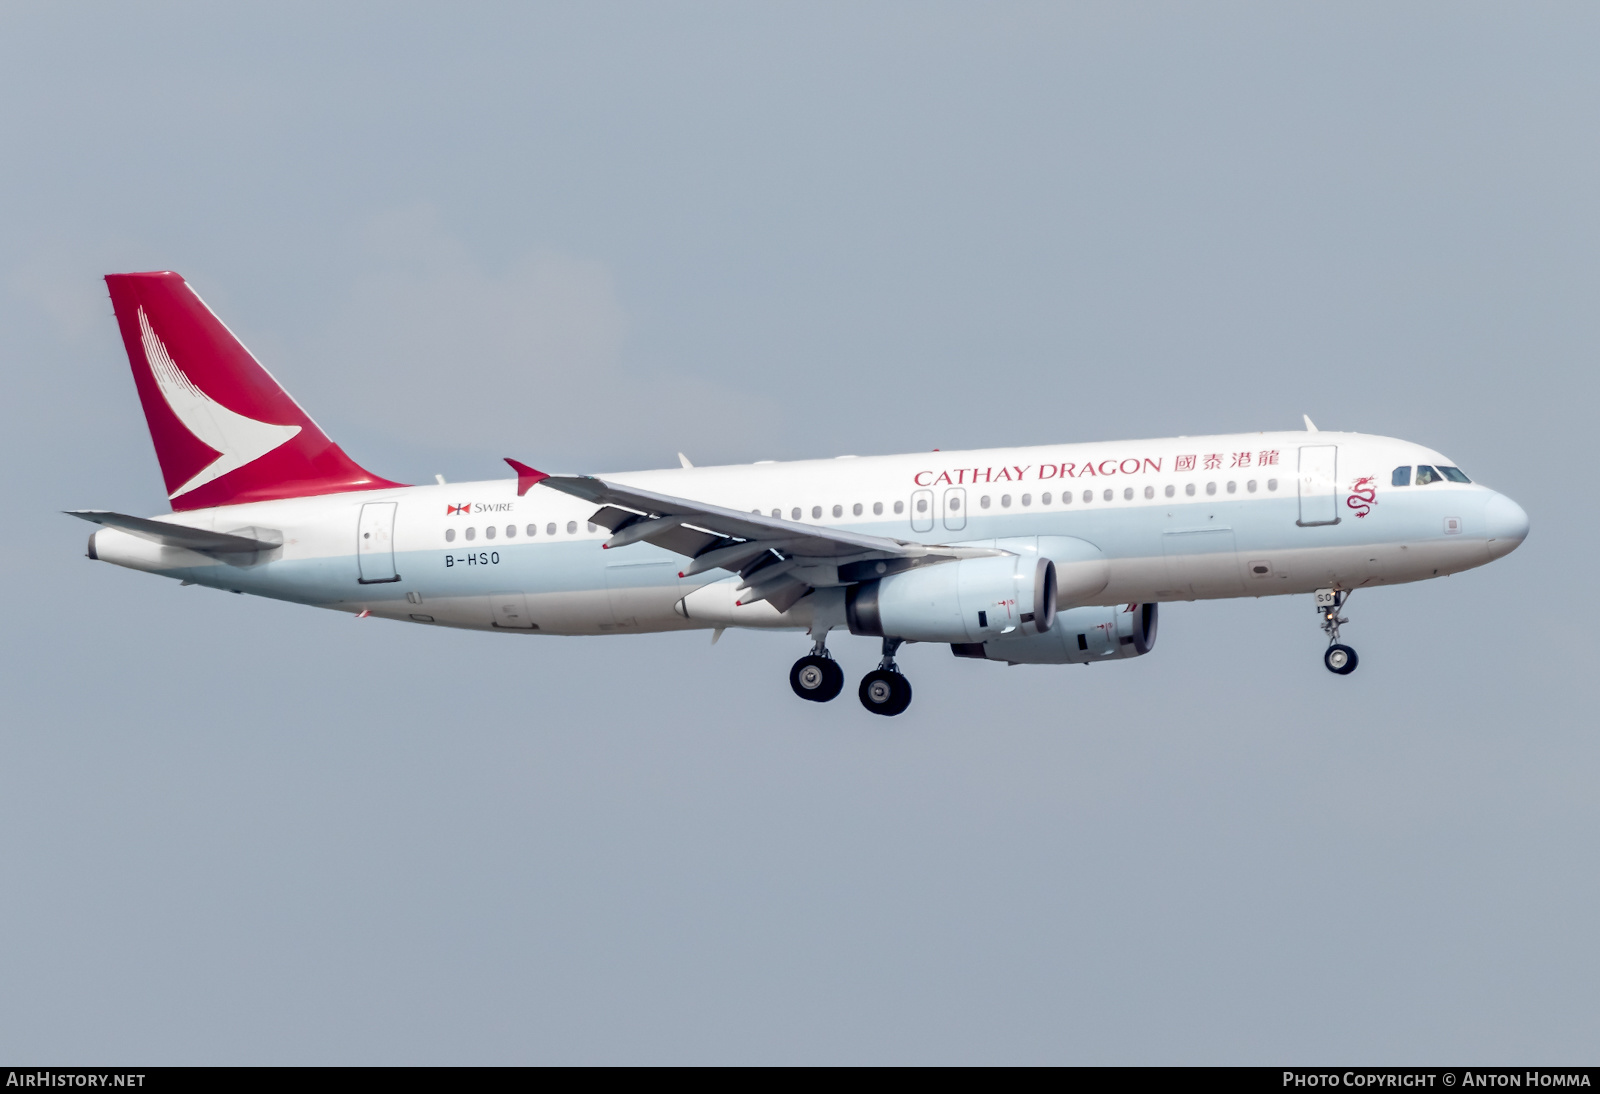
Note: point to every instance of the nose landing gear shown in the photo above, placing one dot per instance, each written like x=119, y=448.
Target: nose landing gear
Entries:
x=1338, y=658
x=884, y=690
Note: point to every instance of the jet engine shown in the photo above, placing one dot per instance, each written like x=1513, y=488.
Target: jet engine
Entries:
x=971, y=600
x=1080, y=636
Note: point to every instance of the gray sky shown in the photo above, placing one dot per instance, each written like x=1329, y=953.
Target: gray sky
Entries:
x=590, y=236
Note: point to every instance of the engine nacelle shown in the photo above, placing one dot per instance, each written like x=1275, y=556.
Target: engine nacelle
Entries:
x=969, y=600
x=1080, y=636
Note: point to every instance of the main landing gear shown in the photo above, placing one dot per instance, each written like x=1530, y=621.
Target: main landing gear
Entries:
x=818, y=678
x=884, y=690
x=1339, y=658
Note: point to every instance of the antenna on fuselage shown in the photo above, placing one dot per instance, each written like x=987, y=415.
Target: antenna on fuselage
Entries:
x=1311, y=427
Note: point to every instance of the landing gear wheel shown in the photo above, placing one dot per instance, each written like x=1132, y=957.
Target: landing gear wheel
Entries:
x=817, y=679
x=1341, y=659
x=886, y=692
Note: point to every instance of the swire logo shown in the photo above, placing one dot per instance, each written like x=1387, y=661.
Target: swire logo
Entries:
x=452, y=510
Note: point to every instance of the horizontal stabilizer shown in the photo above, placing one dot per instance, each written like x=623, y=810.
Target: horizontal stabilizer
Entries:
x=177, y=535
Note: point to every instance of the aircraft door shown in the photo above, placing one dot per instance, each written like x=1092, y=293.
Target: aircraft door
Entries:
x=955, y=508
x=922, y=510
x=1319, y=485
x=375, y=543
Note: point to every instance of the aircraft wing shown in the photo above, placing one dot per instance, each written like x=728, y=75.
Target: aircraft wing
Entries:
x=780, y=560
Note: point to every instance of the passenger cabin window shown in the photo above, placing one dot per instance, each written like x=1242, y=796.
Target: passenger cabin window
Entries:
x=550, y=529
x=472, y=533
x=1401, y=476
x=855, y=510
x=1454, y=474
x=533, y=529
x=1088, y=496
x=1108, y=495
x=1171, y=490
x=1044, y=498
x=838, y=511
x=794, y=514
x=1189, y=489
x=572, y=527
x=488, y=533
x=816, y=512
x=1426, y=475
x=899, y=507
x=449, y=535
x=511, y=531
x=877, y=508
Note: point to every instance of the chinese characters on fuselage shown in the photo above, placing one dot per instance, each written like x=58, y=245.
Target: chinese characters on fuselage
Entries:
x=1131, y=465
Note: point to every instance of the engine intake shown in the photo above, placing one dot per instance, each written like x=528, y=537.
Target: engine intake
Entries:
x=971, y=600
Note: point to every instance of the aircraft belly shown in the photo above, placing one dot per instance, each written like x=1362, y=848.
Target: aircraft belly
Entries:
x=643, y=588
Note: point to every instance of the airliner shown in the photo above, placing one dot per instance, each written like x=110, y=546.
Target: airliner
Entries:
x=1056, y=554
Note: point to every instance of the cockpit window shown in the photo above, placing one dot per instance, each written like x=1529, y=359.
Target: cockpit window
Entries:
x=1426, y=474
x=1401, y=476
x=1453, y=474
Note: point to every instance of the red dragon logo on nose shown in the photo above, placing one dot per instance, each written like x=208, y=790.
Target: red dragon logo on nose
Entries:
x=1363, y=496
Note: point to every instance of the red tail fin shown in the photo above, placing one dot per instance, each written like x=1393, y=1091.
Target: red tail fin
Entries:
x=224, y=431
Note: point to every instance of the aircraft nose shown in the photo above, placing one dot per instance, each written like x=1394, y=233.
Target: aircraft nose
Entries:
x=1506, y=524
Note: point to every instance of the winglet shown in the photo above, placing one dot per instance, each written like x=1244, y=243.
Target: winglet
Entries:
x=526, y=476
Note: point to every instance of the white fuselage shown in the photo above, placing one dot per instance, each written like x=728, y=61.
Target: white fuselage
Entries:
x=1183, y=518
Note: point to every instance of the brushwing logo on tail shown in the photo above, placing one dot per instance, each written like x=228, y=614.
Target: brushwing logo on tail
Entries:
x=240, y=440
